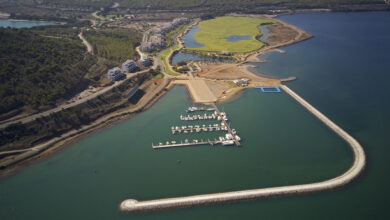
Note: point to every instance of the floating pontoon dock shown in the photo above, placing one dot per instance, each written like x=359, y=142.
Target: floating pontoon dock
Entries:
x=237, y=142
x=186, y=143
x=198, y=117
x=268, y=89
x=197, y=128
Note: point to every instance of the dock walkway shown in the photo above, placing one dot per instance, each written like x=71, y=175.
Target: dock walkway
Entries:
x=227, y=125
x=186, y=144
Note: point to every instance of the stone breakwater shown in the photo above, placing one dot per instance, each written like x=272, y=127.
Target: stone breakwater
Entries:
x=131, y=205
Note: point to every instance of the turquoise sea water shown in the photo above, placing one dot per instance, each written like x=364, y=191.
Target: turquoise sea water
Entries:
x=343, y=71
x=23, y=24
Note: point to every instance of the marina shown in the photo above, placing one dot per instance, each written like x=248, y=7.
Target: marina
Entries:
x=230, y=138
x=132, y=205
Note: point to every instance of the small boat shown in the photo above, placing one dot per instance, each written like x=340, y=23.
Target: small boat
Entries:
x=229, y=136
x=227, y=143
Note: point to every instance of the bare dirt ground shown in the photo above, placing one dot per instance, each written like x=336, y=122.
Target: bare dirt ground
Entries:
x=232, y=71
x=282, y=34
x=219, y=78
x=200, y=92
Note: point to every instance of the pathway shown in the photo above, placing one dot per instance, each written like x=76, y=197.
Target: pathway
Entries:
x=86, y=43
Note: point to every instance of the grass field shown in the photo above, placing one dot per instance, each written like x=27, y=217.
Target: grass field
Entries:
x=163, y=56
x=213, y=34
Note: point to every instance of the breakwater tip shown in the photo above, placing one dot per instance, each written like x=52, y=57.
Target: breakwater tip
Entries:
x=128, y=205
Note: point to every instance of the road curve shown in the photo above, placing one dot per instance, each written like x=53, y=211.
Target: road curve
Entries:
x=132, y=205
x=86, y=43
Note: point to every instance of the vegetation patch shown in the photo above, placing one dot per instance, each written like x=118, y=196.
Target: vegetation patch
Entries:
x=114, y=44
x=163, y=55
x=158, y=76
x=37, y=70
x=214, y=33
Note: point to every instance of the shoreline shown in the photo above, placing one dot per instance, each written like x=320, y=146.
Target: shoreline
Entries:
x=104, y=122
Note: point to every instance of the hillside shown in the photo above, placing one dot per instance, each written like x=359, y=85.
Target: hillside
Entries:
x=37, y=71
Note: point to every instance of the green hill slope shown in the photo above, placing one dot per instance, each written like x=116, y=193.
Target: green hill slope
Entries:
x=37, y=71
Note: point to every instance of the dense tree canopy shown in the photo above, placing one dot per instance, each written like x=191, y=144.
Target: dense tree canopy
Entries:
x=37, y=70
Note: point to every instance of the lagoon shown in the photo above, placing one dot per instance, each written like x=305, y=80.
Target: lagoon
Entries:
x=188, y=38
x=23, y=24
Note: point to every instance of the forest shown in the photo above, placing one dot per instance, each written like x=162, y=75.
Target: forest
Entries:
x=114, y=44
x=37, y=70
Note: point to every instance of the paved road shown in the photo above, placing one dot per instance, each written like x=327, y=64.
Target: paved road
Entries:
x=132, y=205
x=66, y=106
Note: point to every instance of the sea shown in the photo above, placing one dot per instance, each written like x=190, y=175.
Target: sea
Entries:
x=344, y=71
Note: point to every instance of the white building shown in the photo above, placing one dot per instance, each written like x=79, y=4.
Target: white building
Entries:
x=157, y=40
x=129, y=66
x=241, y=82
x=115, y=74
x=144, y=61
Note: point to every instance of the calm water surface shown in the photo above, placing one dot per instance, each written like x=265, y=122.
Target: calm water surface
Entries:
x=23, y=24
x=188, y=38
x=264, y=33
x=236, y=38
x=343, y=71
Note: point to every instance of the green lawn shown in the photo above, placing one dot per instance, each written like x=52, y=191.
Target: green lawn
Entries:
x=213, y=34
x=163, y=56
x=158, y=76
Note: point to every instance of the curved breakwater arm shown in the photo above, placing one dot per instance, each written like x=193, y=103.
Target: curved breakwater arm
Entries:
x=131, y=205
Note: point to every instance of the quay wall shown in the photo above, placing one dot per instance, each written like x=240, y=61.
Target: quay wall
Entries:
x=131, y=205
